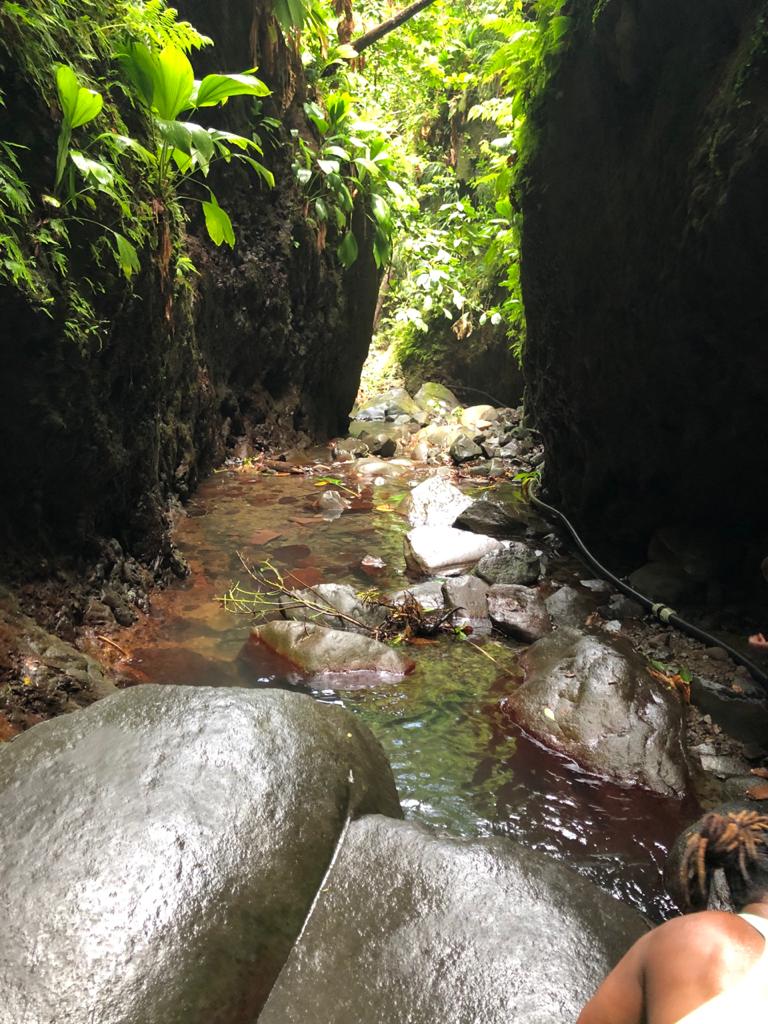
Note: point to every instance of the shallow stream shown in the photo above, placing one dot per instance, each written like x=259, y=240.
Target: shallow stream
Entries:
x=457, y=764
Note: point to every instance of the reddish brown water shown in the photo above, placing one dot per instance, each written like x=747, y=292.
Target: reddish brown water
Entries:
x=456, y=766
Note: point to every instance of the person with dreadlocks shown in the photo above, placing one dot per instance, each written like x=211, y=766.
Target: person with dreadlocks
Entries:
x=709, y=966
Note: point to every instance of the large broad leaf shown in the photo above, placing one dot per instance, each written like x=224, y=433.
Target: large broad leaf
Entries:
x=93, y=170
x=202, y=147
x=291, y=13
x=175, y=134
x=215, y=89
x=382, y=213
x=218, y=223
x=126, y=256
x=174, y=82
x=348, y=250
x=164, y=81
x=78, y=104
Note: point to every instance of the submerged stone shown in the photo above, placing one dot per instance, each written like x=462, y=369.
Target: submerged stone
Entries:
x=315, y=651
x=430, y=550
x=332, y=604
x=161, y=850
x=416, y=927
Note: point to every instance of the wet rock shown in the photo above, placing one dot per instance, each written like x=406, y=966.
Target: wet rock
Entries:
x=417, y=927
x=362, y=430
x=98, y=615
x=569, y=607
x=382, y=445
x=432, y=396
x=742, y=715
x=514, y=563
x=464, y=449
x=431, y=550
x=351, y=446
x=435, y=502
x=335, y=605
x=701, y=554
x=491, y=518
x=122, y=611
x=438, y=436
x=332, y=655
x=663, y=581
x=164, y=847
x=469, y=595
x=478, y=418
x=333, y=503
x=621, y=607
x=594, y=699
x=518, y=612
x=393, y=403
x=429, y=595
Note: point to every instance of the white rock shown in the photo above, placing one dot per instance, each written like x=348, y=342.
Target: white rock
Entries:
x=441, y=549
x=436, y=502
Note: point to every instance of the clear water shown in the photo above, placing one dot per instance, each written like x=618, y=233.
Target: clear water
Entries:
x=457, y=765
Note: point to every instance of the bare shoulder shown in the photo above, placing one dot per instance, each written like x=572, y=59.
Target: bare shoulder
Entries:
x=707, y=933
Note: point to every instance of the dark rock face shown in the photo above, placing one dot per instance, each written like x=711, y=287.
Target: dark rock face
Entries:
x=594, y=700
x=268, y=339
x=453, y=930
x=162, y=849
x=645, y=220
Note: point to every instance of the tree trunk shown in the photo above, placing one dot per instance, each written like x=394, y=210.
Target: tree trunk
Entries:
x=364, y=41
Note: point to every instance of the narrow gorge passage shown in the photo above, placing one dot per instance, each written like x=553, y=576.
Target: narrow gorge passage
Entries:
x=458, y=763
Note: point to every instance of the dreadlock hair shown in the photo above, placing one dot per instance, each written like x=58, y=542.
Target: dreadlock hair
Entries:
x=736, y=842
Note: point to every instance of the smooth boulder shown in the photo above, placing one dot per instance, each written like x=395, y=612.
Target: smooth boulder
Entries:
x=162, y=848
x=430, y=550
x=333, y=656
x=595, y=700
x=417, y=927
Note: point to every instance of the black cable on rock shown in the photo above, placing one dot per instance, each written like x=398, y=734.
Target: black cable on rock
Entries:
x=667, y=616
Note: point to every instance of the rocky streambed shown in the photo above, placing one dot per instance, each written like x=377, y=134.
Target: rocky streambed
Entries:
x=541, y=731
x=554, y=720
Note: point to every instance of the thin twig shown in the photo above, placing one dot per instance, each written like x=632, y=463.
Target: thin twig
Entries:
x=111, y=644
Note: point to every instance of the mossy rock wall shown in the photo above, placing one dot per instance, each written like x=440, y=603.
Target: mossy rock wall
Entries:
x=268, y=339
x=646, y=218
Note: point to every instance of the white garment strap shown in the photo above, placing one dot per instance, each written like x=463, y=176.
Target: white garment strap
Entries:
x=761, y=924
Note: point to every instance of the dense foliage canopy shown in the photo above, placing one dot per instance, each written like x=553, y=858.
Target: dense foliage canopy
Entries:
x=426, y=129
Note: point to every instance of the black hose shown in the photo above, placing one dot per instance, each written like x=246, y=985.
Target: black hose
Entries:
x=660, y=611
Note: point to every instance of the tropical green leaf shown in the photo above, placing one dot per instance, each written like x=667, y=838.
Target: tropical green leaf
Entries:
x=78, y=104
x=175, y=134
x=93, y=170
x=348, y=251
x=216, y=89
x=126, y=255
x=217, y=223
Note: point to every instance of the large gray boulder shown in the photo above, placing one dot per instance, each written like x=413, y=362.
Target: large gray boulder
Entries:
x=594, y=699
x=162, y=848
x=414, y=928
